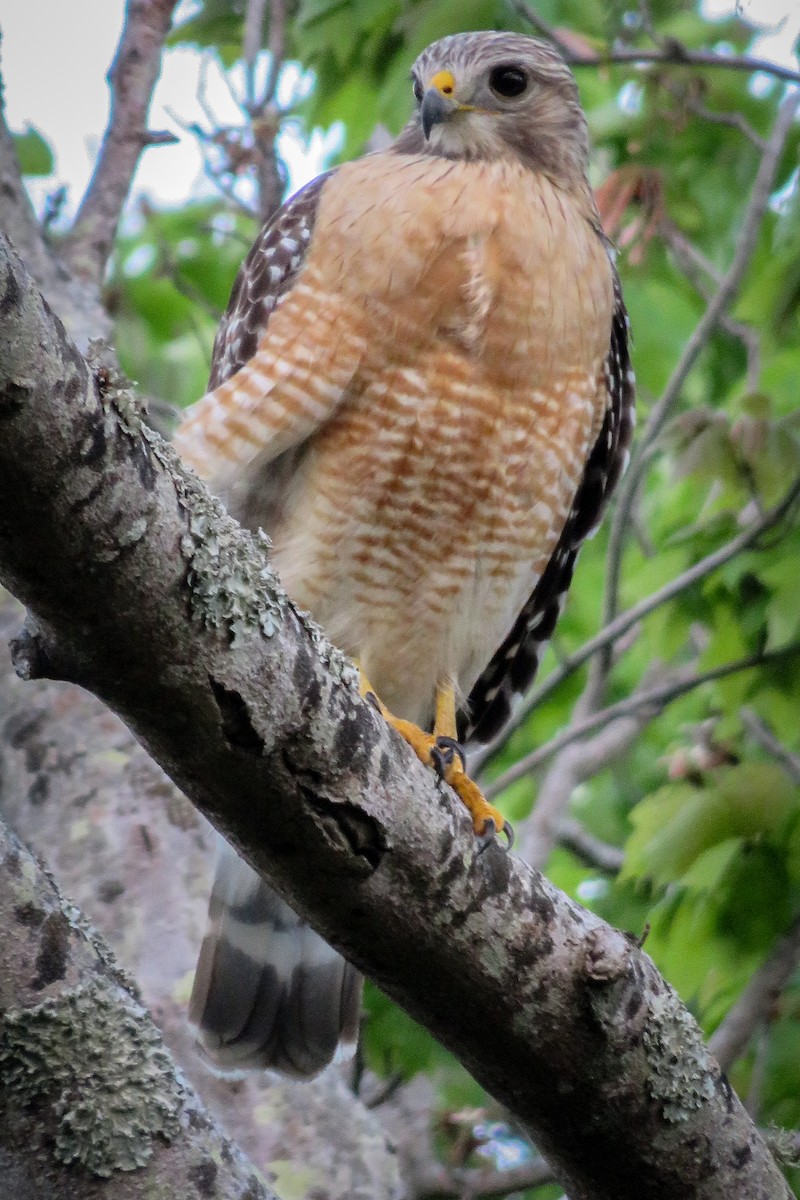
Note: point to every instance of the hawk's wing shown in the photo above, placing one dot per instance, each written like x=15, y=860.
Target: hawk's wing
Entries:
x=268, y=991
x=264, y=277
x=513, y=666
x=266, y=398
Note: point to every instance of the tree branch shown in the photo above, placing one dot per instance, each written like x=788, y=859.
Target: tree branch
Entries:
x=616, y=629
x=132, y=77
x=87, y=1090
x=671, y=53
x=754, y=1006
x=761, y=733
x=84, y=315
x=717, y=306
x=17, y=217
x=589, y=848
x=114, y=548
x=646, y=700
x=574, y=764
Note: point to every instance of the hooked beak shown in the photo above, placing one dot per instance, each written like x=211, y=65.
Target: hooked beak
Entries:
x=436, y=108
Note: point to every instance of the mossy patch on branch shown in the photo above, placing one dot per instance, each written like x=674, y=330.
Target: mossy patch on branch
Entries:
x=98, y=1061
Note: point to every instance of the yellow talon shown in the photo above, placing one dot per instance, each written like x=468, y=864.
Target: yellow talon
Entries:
x=442, y=751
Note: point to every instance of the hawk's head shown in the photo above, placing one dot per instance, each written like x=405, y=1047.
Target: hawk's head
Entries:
x=490, y=96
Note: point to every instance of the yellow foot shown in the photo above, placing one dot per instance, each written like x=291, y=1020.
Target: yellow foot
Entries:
x=441, y=751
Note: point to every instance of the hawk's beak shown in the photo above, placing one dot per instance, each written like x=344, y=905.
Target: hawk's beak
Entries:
x=435, y=109
x=438, y=102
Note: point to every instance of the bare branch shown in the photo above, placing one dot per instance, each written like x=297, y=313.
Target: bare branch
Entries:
x=17, y=217
x=756, y=1003
x=251, y=45
x=699, y=271
x=650, y=701
x=265, y=116
x=761, y=733
x=589, y=848
x=729, y=286
x=616, y=629
x=576, y=763
x=671, y=53
x=132, y=77
x=259, y=720
x=84, y=315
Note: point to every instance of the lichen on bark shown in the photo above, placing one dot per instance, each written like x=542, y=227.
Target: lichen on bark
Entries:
x=100, y=1065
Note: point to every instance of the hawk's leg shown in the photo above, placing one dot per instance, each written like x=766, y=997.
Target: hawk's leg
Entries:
x=441, y=750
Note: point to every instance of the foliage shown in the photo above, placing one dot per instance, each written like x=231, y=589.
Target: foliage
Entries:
x=708, y=821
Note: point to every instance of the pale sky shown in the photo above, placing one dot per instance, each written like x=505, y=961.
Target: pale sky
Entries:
x=56, y=81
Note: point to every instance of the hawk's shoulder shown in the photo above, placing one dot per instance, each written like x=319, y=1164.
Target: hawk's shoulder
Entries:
x=264, y=277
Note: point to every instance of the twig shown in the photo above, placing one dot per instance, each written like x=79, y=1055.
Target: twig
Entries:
x=616, y=629
x=589, y=849
x=729, y=285
x=265, y=115
x=756, y=1001
x=654, y=699
x=672, y=53
x=733, y=120
x=132, y=77
x=763, y=735
x=698, y=270
x=576, y=763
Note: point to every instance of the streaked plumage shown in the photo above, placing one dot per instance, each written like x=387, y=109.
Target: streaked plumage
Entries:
x=422, y=391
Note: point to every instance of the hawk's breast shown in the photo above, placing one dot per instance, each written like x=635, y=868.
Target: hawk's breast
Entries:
x=426, y=508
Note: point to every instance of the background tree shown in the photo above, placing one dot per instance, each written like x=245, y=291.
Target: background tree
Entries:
x=654, y=773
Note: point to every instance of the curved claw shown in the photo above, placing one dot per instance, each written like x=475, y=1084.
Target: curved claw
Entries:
x=490, y=830
x=508, y=830
x=486, y=838
x=451, y=749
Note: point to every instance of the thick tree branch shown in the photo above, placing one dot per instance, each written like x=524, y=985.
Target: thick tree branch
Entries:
x=87, y=1091
x=132, y=77
x=142, y=590
x=138, y=860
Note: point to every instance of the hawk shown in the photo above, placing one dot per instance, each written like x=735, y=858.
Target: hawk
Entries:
x=422, y=391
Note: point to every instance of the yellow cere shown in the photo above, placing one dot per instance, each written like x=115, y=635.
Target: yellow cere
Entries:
x=444, y=82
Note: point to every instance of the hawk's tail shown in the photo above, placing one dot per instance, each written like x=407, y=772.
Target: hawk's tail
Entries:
x=268, y=991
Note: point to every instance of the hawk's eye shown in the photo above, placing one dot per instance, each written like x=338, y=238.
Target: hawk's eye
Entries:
x=508, y=81
x=418, y=91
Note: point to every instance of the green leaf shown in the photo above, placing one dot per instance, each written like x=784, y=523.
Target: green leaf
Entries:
x=33, y=152
x=674, y=827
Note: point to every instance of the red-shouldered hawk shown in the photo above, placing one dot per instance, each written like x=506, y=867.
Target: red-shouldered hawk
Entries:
x=422, y=391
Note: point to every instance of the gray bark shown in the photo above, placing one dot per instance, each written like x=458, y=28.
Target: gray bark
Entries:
x=87, y=1090
x=142, y=590
x=137, y=857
